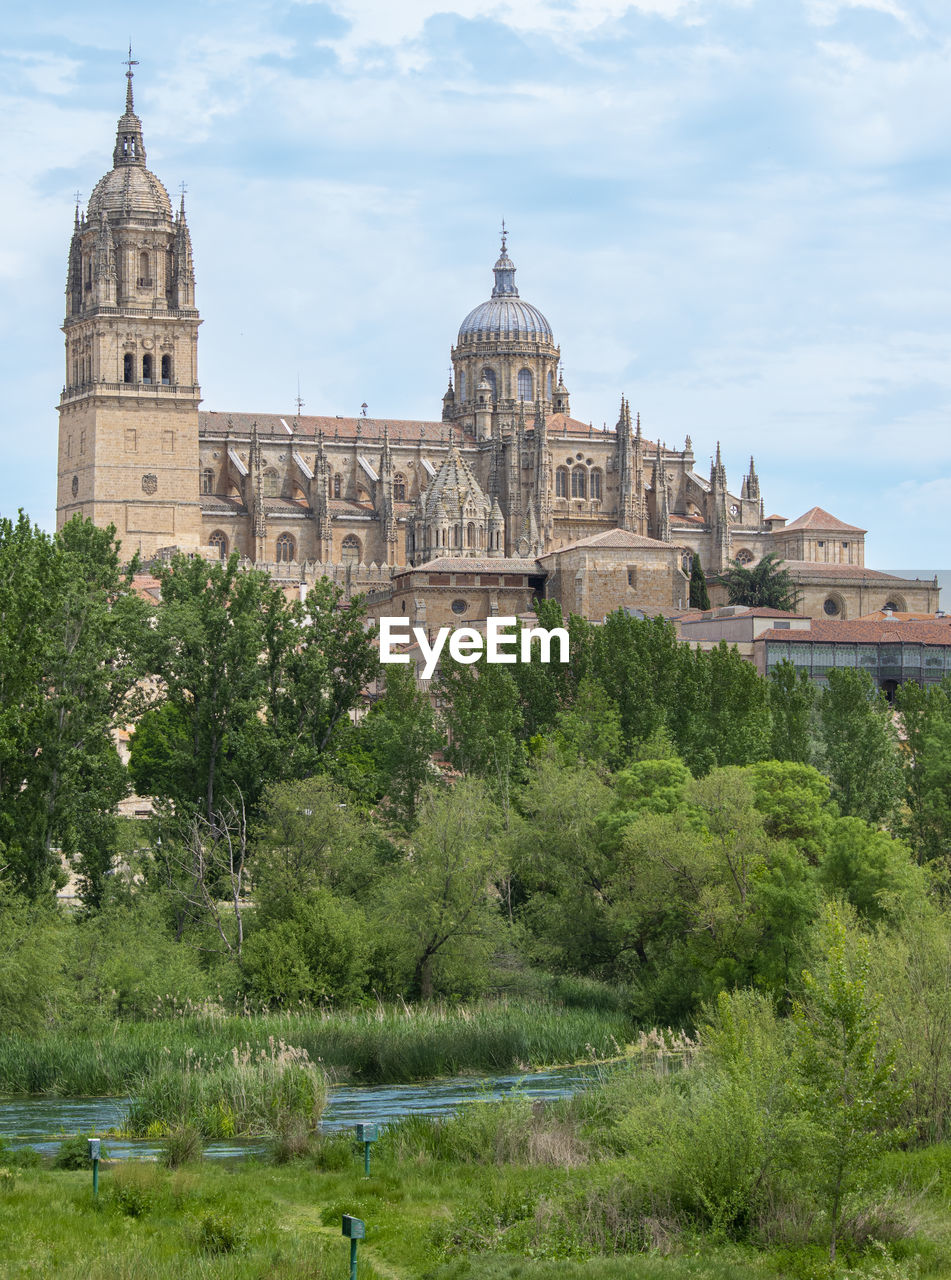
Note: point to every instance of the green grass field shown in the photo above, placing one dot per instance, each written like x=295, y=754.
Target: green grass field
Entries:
x=442, y=1203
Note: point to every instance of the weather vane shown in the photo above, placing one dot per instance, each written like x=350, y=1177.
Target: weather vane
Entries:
x=130, y=62
x=299, y=402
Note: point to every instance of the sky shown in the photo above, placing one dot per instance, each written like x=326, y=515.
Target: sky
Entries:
x=737, y=213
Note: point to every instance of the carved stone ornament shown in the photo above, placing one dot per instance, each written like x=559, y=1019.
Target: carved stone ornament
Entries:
x=75, y=485
x=149, y=484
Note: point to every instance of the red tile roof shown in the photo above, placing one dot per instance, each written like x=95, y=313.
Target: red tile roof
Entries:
x=864, y=632
x=822, y=521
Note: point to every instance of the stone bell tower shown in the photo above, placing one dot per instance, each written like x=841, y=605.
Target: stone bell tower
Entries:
x=128, y=430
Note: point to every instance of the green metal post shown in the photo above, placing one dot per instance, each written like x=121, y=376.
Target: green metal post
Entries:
x=366, y=1159
x=95, y=1177
x=353, y=1260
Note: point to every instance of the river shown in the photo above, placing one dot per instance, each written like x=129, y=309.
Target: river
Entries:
x=43, y=1122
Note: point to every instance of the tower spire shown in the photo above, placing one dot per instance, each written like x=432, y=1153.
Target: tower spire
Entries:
x=130, y=62
x=504, y=271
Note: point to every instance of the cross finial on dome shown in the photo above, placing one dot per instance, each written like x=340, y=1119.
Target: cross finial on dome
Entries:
x=130, y=62
x=504, y=234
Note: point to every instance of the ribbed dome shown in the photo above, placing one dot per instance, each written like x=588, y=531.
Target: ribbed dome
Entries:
x=505, y=315
x=506, y=318
x=130, y=186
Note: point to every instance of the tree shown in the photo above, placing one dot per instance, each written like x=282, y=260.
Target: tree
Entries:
x=400, y=735
x=590, y=729
x=207, y=649
x=926, y=768
x=70, y=642
x=792, y=698
x=764, y=586
x=437, y=913
x=484, y=719
x=848, y=1084
x=860, y=743
x=699, y=595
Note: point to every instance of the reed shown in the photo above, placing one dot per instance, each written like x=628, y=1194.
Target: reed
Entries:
x=246, y=1094
x=384, y=1043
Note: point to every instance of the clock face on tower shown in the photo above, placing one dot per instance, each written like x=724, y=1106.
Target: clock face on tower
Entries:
x=734, y=510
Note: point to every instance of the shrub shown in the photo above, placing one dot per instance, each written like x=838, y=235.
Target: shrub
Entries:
x=17, y=1157
x=181, y=1146
x=73, y=1152
x=219, y=1233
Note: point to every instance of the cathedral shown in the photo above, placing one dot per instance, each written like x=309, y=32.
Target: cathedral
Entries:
x=506, y=481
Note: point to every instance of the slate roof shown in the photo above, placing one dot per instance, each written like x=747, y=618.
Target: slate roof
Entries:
x=822, y=522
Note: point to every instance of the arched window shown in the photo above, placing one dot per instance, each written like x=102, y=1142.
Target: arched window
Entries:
x=461, y=384
x=145, y=273
x=399, y=487
x=336, y=486
x=831, y=607
x=350, y=550
x=745, y=556
x=285, y=548
x=550, y=381
x=166, y=370
x=470, y=535
x=489, y=375
x=146, y=368
x=525, y=384
x=561, y=482
x=219, y=540
x=271, y=483
x=579, y=486
x=207, y=480
x=128, y=368
x=596, y=484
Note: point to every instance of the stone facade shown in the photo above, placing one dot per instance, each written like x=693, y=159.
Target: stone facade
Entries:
x=505, y=473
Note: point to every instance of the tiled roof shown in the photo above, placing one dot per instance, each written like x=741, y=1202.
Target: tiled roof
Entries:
x=822, y=522
x=862, y=632
x=401, y=431
x=620, y=538
x=473, y=564
x=879, y=615
x=292, y=506
x=147, y=587
x=774, y=517
x=800, y=570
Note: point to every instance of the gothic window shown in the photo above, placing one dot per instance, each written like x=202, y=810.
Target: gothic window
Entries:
x=271, y=483
x=891, y=606
x=596, y=484
x=831, y=607
x=525, y=384
x=399, y=487
x=166, y=370
x=470, y=535
x=336, y=486
x=350, y=550
x=128, y=368
x=208, y=481
x=561, y=482
x=744, y=557
x=145, y=274
x=146, y=368
x=285, y=548
x=550, y=380
x=461, y=383
x=219, y=541
x=489, y=375
x=579, y=485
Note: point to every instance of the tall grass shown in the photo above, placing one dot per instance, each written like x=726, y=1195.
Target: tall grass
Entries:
x=244, y=1095
x=393, y=1044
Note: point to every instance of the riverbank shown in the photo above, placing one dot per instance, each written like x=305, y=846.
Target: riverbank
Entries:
x=504, y=1191
x=392, y=1044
